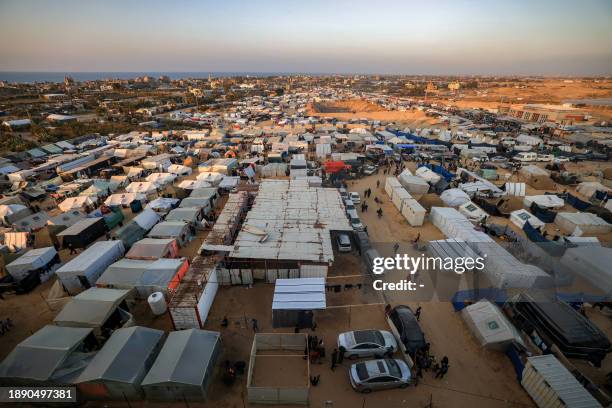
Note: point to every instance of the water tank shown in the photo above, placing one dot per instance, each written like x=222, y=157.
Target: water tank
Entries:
x=157, y=303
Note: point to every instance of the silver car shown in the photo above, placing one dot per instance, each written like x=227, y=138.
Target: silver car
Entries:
x=367, y=343
x=376, y=375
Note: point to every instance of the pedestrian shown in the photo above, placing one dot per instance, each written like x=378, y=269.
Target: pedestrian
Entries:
x=321, y=348
x=71, y=248
x=417, y=313
x=443, y=368
x=377, y=183
x=395, y=247
x=255, y=326
x=341, y=353
x=225, y=322
x=334, y=359
x=418, y=237
x=108, y=235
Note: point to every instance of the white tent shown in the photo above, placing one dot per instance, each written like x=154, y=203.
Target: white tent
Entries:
x=193, y=184
x=163, y=204
x=161, y=179
x=579, y=223
x=124, y=199
x=142, y=188
x=588, y=188
x=415, y=185
x=428, y=175
x=210, y=177
x=179, y=170
x=545, y=200
x=473, y=212
x=77, y=202
x=12, y=212
x=520, y=217
x=490, y=327
x=30, y=261
x=147, y=219
x=454, y=197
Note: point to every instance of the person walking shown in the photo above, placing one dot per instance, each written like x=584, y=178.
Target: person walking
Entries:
x=395, y=247
x=341, y=352
x=417, y=313
x=72, y=249
x=254, y=325
x=334, y=359
x=443, y=368
x=377, y=183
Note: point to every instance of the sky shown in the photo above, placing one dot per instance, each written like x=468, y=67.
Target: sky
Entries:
x=487, y=37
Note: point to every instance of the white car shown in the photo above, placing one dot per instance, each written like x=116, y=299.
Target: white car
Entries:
x=367, y=343
x=561, y=159
x=355, y=198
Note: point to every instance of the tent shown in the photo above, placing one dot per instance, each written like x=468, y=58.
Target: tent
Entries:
x=580, y=223
x=179, y=170
x=147, y=219
x=428, y=175
x=295, y=299
x=161, y=179
x=491, y=328
x=473, y=212
x=66, y=219
x=96, y=308
x=193, y=184
x=147, y=188
x=454, y=197
x=545, y=201
x=32, y=222
x=81, y=272
x=191, y=215
x=415, y=185
x=178, y=230
x=163, y=204
x=589, y=188
x=77, y=203
x=537, y=177
x=146, y=276
x=212, y=178
x=51, y=355
x=185, y=366
x=153, y=248
x=39, y=260
x=592, y=263
x=129, y=234
x=520, y=217
x=115, y=373
x=11, y=213
x=124, y=199
x=83, y=232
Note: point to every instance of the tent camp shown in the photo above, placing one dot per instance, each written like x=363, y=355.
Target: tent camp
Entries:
x=39, y=260
x=82, y=233
x=146, y=276
x=184, y=367
x=52, y=355
x=178, y=230
x=490, y=327
x=81, y=272
x=152, y=248
x=117, y=370
x=97, y=308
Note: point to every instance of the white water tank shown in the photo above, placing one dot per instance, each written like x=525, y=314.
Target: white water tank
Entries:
x=157, y=303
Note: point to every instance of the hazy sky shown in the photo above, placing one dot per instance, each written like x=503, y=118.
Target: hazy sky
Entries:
x=411, y=37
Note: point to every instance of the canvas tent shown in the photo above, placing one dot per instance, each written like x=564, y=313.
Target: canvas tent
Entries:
x=184, y=367
x=32, y=222
x=163, y=204
x=78, y=203
x=10, y=213
x=520, y=217
x=454, y=197
x=191, y=215
x=161, y=179
x=295, y=300
x=580, y=223
x=39, y=260
x=147, y=219
x=152, y=248
x=179, y=170
x=490, y=327
x=124, y=199
x=146, y=276
x=544, y=201
x=117, y=370
x=415, y=185
x=96, y=308
x=52, y=355
x=537, y=177
x=193, y=184
x=83, y=232
x=147, y=188
x=81, y=272
x=178, y=230
x=473, y=212
x=592, y=263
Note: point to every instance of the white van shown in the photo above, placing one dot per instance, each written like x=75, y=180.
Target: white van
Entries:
x=526, y=157
x=545, y=157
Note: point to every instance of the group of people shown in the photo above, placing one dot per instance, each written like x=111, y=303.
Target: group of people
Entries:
x=315, y=350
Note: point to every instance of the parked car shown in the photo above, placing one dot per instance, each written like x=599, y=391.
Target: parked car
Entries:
x=377, y=375
x=369, y=170
x=407, y=329
x=545, y=157
x=344, y=243
x=355, y=220
x=367, y=343
x=343, y=193
x=498, y=159
x=355, y=198
x=561, y=159
x=348, y=204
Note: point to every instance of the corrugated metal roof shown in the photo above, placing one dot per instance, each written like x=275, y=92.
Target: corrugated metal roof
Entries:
x=299, y=294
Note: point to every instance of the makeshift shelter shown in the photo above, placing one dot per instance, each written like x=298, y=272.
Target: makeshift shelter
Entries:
x=213, y=178
x=193, y=184
x=146, y=276
x=184, y=367
x=52, y=355
x=96, y=308
x=415, y=185
x=124, y=199
x=473, y=212
x=117, y=370
x=592, y=263
x=520, y=217
x=203, y=204
x=66, y=219
x=295, y=300
x=589, y=189
x=178, y=230
x=37, y=261
x=147, y=219
x=160, y=179
x=129, y=234
x=77, y=203
x=544, y=201
x=152, y=248
x=163, y=204
x=454, y=197
x=32, y=222
x=179, y=170
x=537, y=177
x=82, y=233
x=190, y=215
x=491, y=328
x=580, y=223
x=10, y=213
x=148, y=189
x=81, y=272
x=428, y=175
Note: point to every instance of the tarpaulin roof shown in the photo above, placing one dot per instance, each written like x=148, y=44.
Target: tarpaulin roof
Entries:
x=299, y=294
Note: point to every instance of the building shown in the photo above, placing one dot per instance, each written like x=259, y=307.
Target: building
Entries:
x=541, y=113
